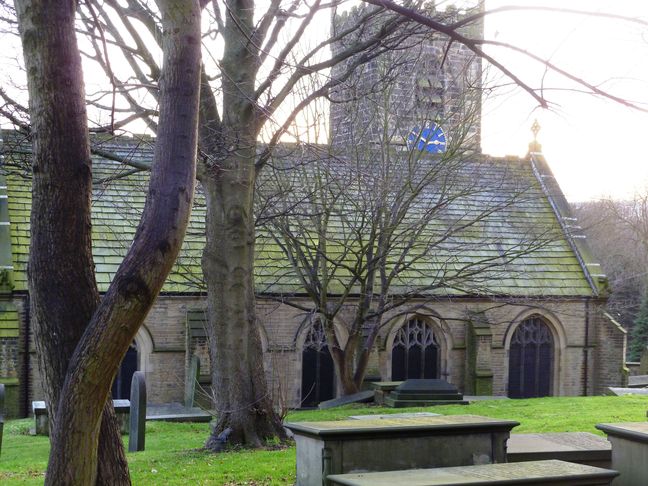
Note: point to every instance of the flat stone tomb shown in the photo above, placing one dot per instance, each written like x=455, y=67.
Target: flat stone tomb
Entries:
x=638, y=381
x=176, y=412
x=392, y=416
x=360, y=397
x=629, y=451
x=41, y=419
x=615, y=390
x=579, y=447
x=538, y=473
x=418, y=392
x=383, y=444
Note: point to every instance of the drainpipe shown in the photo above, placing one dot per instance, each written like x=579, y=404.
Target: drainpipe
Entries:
x=586, y=346
x=26, y=359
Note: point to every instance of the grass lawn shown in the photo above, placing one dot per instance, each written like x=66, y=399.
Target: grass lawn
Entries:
x=173, y=453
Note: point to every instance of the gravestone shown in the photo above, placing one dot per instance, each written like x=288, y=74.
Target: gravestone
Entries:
x=347, y=446
x=538, y=473
x=2, y=397
x=177, y=412
x=629, y=451
x=382, y=389
x=360, y=397
x=137, y=426
x=423, y=393
x=579, y=447
x=638, y=381
x=41, y=419
x=391, y=416
x=192, y=381
x=613, y=390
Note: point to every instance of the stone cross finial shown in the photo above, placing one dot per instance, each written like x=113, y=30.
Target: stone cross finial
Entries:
x=535, y=146
x=535, y=128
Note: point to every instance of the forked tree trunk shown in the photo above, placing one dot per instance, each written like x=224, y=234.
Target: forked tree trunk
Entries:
x=61, y=161
x=239, y=387
x=349, y=370
x=351, y=362
x=343, y=363
x=62, y=283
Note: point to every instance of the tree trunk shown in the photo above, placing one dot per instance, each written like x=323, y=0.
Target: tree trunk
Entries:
x=61, y=276
x=61, y=225
x=240, y=391
x=343, y=360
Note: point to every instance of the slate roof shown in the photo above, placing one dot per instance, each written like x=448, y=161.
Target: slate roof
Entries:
x=554, y=267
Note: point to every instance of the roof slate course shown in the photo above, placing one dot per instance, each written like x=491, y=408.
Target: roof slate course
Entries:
x=550, y=269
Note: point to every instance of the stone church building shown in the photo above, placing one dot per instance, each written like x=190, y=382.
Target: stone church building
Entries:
x=529, y=323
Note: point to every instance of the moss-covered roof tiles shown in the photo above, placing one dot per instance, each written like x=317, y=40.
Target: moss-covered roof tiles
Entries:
x=524, y=218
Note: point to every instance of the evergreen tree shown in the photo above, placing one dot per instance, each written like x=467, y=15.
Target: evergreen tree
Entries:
x=639, y=333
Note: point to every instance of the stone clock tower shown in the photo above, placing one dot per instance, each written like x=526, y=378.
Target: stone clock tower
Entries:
x=421, y=81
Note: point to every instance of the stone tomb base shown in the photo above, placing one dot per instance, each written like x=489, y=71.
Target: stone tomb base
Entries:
x=538, y=473
x=382, y=389
x=629, y=451
x=348, y=446
x=41, y=419
x=424, y=393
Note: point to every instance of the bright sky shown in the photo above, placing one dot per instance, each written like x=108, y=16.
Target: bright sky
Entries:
x=595, y=147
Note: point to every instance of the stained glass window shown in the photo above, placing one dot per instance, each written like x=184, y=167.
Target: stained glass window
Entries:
x=415, y=352
x=531, y=360
x=318, y=373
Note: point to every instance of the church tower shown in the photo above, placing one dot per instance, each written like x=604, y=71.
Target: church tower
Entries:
x=421, y=84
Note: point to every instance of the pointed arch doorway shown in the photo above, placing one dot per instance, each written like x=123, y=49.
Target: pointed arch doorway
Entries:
x=121, y=385
x=318, y=373
x=531, y=360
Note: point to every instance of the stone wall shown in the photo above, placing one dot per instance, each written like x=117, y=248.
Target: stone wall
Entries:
x=12, y=360
x=164, y=352
x=565, y=317
x=609, y=355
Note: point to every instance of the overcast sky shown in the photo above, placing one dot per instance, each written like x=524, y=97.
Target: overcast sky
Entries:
x=595, y=148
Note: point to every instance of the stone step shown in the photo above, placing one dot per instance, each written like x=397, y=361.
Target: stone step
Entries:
x=538, y=473
x=390, y=402
x=397, y=395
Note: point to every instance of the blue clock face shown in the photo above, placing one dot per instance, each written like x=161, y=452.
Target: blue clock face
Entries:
x=431, y=139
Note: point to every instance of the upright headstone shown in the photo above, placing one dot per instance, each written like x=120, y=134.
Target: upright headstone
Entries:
x=2, y=397
x=192, y=381
x=137, y=427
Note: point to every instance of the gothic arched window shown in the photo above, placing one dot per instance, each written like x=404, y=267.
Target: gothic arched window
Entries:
x=531, y=356
x=415, y=352
x=318, y=373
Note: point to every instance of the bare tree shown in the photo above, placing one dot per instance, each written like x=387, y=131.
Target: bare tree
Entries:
x=80, y=338
x=250, y=86
x=617, y=232
x=372, y=230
